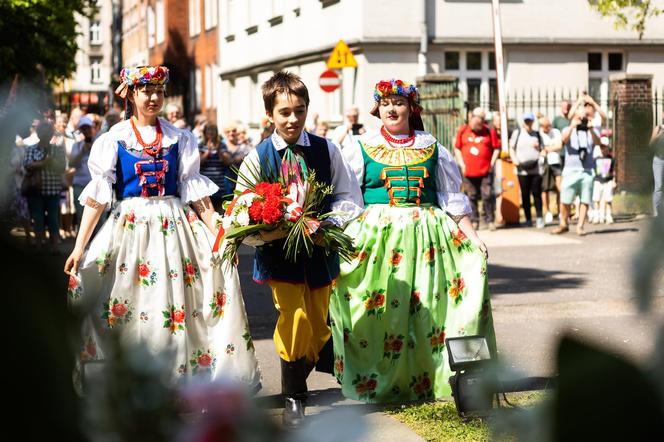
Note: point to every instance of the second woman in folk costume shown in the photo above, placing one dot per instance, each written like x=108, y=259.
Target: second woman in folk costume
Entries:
x=148, y=274
x=420, y=273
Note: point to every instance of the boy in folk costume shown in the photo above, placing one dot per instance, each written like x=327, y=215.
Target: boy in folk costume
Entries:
x=300, y=290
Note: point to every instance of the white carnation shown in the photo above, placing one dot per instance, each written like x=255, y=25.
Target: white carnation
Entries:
x=246, y=199
x=243, y=218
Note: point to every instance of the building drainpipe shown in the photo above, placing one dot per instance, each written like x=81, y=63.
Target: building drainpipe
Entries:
x=424, y=41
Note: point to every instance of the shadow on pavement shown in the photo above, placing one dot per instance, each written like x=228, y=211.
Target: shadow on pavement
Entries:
x=506, y=279
x=610, y=230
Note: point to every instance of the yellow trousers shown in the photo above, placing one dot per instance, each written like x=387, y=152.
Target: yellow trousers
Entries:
x=302, y=328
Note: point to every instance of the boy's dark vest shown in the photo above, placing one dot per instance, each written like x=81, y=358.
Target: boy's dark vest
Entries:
x=270, y=262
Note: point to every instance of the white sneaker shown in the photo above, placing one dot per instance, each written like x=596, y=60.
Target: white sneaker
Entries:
x=548, y=218
x=601, y=220
x=594, y=219
x=609, y=219
x=539, y=223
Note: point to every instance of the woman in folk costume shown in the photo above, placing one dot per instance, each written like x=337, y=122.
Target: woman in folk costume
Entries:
x=420, y=273
x=149, y=274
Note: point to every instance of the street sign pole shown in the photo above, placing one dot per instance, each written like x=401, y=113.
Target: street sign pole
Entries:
x=507, y=205
x=340, y=58
x=341, y=93
x=500, y=73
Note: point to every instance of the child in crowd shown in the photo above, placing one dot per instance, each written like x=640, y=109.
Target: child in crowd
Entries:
x=603, y=185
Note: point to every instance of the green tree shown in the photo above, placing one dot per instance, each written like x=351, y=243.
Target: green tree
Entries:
x=630, y=14
x=38, y=37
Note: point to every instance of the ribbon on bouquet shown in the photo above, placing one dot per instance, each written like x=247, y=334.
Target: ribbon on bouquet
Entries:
x=295, y=210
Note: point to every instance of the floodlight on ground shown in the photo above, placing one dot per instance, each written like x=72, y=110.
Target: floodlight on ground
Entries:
x=475, y=382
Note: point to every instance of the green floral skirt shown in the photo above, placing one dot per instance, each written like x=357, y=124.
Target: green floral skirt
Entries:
x=416, y=281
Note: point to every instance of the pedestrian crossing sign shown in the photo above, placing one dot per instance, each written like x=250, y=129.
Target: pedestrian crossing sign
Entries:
x=341, y=57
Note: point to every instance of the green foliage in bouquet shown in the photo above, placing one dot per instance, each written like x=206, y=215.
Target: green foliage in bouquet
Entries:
x=332, y=237
x=311, y=228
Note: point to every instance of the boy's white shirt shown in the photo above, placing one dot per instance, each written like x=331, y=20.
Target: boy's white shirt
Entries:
x=347, y=201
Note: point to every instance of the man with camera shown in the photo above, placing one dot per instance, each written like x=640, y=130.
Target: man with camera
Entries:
x=345, y=134
x=578, y=140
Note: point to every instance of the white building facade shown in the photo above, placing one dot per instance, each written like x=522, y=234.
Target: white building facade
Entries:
x=559, y=45
x=93, y=60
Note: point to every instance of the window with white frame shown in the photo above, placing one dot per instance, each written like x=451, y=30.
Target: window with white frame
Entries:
x=255, y=14
x=160, y=25
x=601, y=64
x=476, y=71
x=95, y=69
x=152, y=26
x=210, y=13
x=194, y=17
x=230, y=11
x=95, y=32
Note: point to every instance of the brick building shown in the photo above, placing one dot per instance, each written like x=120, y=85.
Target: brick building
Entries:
x=203, y=20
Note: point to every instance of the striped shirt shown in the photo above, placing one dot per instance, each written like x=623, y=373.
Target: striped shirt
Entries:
x=213, y=168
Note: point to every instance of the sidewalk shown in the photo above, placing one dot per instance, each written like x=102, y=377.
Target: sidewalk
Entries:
x=325, y=401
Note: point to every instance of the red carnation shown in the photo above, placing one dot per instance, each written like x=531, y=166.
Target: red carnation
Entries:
x=119, y=309
x=379, y=300
x=256, y=211
x=396, y=345
x=131, y=217
x=261, y=188
x=72, y=283
x=371, y=384
x=272, y=213
x=189, y=268
x=165, y=223
x=268, y=190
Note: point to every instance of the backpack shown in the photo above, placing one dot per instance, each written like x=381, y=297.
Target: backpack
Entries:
x=530, y=167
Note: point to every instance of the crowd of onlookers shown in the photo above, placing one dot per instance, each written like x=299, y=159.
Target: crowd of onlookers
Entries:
x=569, y=157
x=49, y=165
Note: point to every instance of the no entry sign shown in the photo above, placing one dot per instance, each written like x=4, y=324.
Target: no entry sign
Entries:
x=329, y=81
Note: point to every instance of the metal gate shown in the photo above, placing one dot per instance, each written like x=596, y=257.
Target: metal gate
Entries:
x=443, y=107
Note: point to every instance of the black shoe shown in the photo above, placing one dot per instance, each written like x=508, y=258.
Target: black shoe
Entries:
x=293, y=414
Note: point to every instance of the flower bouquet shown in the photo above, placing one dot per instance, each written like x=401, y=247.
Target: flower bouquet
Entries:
x=287, y=202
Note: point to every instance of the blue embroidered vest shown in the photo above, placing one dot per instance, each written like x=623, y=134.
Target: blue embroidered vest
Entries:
x=143, y=175
x=269, y=262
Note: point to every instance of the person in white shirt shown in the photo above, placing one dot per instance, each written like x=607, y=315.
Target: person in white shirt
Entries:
x=345, y=135
x=552, y=139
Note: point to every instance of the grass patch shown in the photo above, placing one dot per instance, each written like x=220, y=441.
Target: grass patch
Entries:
x=439, y=421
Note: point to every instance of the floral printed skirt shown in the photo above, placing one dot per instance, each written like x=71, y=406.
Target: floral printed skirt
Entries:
x=416, y=281
x=149, y=276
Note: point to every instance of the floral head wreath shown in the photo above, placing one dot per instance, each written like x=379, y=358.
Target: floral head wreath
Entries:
x=396, y=87
x=131, y=77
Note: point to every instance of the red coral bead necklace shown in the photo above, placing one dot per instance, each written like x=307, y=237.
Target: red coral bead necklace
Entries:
x=402, y=142
x=153, y=148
